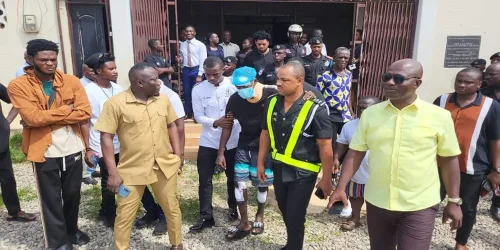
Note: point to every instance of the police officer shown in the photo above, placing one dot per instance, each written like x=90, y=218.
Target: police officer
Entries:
x=289, y=120
x=294, y=48
x=495, y=58
x=316, y=64
x=268, y=77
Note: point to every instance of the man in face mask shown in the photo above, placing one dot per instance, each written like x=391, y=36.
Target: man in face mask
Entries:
x=247, y=106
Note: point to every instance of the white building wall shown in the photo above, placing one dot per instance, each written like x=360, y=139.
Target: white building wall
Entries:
x=439, y=19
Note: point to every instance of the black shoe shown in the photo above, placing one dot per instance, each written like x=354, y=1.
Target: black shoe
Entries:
x=80, y=238
x=145, y=221
x=202, y=224
x=232, y=214
x=495, y=212
x=66, y=246
x=89, y=181
x=160, y=228
x=96, y=174
x=109, y=222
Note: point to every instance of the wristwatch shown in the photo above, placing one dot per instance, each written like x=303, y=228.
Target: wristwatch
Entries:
x=457, y=201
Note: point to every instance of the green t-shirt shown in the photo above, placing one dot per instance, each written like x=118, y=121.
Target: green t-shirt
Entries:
x=48, y=87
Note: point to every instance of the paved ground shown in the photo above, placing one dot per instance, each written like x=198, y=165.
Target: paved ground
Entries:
x=322, y=230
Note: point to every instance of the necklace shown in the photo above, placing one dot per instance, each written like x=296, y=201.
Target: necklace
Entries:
x=105, y=91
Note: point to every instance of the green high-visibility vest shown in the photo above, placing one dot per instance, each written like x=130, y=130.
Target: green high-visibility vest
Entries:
x=286, y=157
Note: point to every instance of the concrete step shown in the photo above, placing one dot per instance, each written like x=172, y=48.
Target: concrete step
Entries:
x=192, y=128
x=190, y=152
x=192, y=139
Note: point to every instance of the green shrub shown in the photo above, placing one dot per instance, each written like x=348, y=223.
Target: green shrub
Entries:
x=16, y=152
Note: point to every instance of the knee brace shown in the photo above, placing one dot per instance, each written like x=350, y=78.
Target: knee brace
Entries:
x=262, y=195
x=238, y=191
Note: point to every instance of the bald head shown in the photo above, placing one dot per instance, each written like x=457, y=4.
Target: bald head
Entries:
x=492, y=75
x=408, y=68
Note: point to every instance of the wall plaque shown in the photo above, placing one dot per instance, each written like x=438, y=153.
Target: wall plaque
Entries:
x=461, y=51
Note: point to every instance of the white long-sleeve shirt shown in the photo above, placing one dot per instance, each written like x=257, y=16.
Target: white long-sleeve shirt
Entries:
x=198, y=53
x=209, y=105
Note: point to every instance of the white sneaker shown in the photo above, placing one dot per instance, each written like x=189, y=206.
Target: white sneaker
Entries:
x=346, y=211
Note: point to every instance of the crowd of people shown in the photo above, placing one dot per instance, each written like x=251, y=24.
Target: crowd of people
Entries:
x=276, y=116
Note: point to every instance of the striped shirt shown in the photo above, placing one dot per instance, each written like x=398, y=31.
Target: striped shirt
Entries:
x=476, y=125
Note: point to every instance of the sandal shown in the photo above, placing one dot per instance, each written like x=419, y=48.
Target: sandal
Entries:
x=257, y=227
x=22, y=217
x=349, y=226
x=236, y=234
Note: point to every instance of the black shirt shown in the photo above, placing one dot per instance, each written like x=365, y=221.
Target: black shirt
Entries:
x=249, y=115
x=306, y=148
x=260, y=63
x=489, y=92
x=4, y=124
x=315, y=67
x=160, y=62
x=240, y=57
x=294, y=51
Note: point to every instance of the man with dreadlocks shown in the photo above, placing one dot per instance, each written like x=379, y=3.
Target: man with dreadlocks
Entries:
x=52, y=105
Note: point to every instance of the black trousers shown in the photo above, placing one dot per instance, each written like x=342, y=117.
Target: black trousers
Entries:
x=8, y=184
x=59, y=182
x=470, y=187
x=495, y=200
x=293, y=199
x=206, y=166
x=108, y=202
x=152, y=208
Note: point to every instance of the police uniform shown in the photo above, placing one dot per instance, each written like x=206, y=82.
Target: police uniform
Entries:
x=297, y=50
x=260, y=62
x=296, y=158
x=315, y=67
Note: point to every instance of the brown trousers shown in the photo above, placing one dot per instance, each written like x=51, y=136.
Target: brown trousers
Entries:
x=406, y=230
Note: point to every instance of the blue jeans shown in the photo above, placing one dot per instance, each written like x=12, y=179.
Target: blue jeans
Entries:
x=188, y=81
x=152, y=209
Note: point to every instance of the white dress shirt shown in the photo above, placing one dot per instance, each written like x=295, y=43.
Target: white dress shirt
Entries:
x=308, y=49
x=85, y=81
x=175, y=100
x=20, y=70
x=230, y=49
x=345, y=137
x=209, y=105
x=198, y=52
x=97, y=97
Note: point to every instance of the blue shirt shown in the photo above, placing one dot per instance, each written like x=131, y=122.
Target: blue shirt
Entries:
x=336, y=90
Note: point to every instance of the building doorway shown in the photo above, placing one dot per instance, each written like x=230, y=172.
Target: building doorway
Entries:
x=89, y=30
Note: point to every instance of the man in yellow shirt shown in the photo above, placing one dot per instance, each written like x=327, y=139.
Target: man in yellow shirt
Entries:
x=150, y=151
x=407, y=138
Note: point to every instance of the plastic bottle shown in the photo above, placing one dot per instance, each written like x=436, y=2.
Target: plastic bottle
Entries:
x=95, y=161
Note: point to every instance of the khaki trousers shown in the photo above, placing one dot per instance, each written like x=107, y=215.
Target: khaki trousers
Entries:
x=165, y=192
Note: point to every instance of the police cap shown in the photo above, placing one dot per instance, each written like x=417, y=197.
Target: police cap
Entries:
x=278, y=47
x=316, y=40
x=496, y=55
x=478, y=62
x=229, y=59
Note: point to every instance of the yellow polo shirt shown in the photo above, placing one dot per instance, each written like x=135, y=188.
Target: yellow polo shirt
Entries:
x=403, y=147
x=143, y=134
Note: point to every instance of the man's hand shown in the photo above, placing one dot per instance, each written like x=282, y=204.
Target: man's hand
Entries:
x=224, y=122
x=261, y=173
x=309, y=95
x=198, y=79
x=221, y=161
x=338, y=195
x=88, y=158
x=325, y=184
x=336, y=165
x=494, y=178
x=452, y=211
x=114, y=182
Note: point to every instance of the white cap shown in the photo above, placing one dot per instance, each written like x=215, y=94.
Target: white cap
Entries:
x=295, y=28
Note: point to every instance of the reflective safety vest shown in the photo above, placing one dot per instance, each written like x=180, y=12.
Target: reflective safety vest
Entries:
x=298, y=127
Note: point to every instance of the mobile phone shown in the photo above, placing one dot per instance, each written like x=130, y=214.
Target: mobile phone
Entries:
x=319, y=193
x=352, y=66
x=336, y=208
x=123, y=191
x=218, y=170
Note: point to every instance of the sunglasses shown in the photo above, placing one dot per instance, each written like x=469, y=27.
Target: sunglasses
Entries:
x=398, y=79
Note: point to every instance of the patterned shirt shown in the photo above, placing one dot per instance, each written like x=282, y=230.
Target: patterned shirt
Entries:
x=336, y=90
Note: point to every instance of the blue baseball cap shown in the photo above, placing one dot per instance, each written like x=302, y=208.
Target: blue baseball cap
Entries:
x=243, y=76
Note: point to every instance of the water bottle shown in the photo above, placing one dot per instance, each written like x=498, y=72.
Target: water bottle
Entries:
x=95, y=161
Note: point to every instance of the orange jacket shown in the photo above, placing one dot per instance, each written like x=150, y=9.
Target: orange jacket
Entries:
x=27, y=96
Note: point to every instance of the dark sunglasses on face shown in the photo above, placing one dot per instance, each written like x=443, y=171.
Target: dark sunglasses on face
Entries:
x=398, y=79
